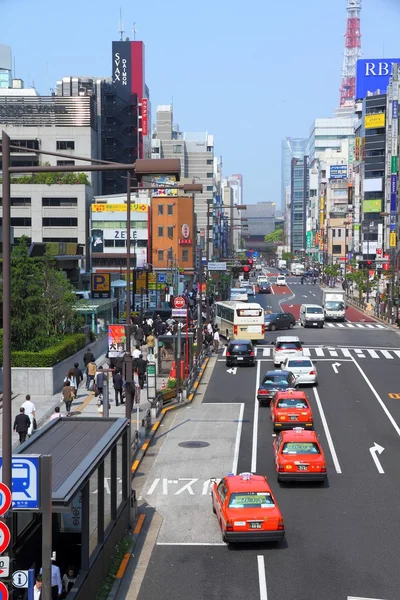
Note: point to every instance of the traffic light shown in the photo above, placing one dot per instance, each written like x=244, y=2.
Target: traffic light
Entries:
x=166, y=289
x=250, y=262
x=246, y=272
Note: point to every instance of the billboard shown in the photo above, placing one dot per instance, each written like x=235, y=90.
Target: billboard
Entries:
x=373, y=76
x=374, y=121
x=338, y=172
x=121, y=67
x=97, y=240
x=372, y=206
x=116, y=340
x=114, y=207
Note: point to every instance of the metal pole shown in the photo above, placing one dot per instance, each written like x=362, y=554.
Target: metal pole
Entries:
x=199, y=309
x=31, y=584
x=6, y=444
x=128, y=363
x=187, y=339
x=178, y=357
x=46, y=485
x=134, y=272
x=207, y=261
x=106, y=393
x=367, y=261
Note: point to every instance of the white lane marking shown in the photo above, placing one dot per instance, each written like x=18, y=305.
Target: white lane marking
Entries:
x=224, y=352
x=319, y=352
x=380, y=326
x=255, y=423
x=237, y=442
x=266, y=351
x=330, y=324
x=360, y=353
x=373, y=353
x=306, y=352
x=191, y=544
x=153, y=486
x=350, y=325
x=327, y=432
x=375, y=450
x=359, y=598
x=340, y=325
x=386, y=354
x=272, y=289
x=360, y=326
x=333, y=353
x=335, y=367
x=346, y=352
x=262, y=578
x=377, y=396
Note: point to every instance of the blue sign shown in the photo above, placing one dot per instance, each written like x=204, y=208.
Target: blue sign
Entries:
x=395, y=109
x=25, y=481
x=338, y=172
x=255, y=254
x=373, y=75
x=249, y=254
x=161, y=278
x=393, y=184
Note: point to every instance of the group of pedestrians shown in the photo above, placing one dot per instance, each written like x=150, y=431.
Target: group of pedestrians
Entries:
x=25, y=422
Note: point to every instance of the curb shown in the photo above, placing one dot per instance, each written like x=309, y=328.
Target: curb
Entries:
x=127, y=556
x=375, y=318
x=142, y=451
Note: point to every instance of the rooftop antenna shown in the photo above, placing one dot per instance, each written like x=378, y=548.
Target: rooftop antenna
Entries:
x=134, y=31
x=121, y=26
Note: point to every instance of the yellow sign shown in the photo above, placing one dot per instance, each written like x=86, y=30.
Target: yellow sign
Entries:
x=393, y=239
x=101, y=285
x=394, y=396
x=374, y=121
x=372, y=206
x=99, y=208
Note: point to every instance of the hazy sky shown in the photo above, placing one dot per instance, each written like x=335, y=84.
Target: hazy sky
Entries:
x=249, y=72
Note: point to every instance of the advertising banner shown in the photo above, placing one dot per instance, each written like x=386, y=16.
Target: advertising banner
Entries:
x=164, y=180
x=392, y=239
x=338, y=172
x=121, y=67
x=145, y=116
x=393, y=183
x=373, y=76
x=395, y=109
x=372, y=206
x=97, y=240
x=98, y=208
x=374, y=121
x=116, y=340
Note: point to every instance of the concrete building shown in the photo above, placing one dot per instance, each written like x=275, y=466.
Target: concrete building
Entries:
x=5, y=67
x=260, y=221
x=328, y=133
x=196, y=153
x=291, y=148
x=298, y=204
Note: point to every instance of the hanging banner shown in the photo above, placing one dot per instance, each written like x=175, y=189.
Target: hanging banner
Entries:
x=116, y=340
x=393, y=239
x=145, y=116
x=97, y=240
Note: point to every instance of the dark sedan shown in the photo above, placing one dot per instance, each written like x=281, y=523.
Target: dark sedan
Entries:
x=264, y=288
x=279, y=320
x=274, y=381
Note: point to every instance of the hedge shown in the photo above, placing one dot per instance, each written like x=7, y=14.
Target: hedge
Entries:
x=49, y=356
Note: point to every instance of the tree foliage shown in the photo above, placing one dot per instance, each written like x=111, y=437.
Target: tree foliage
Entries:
x=288, y=256
x=42, y=301
x=275, y=236
x=361, y=278
x=52, y=178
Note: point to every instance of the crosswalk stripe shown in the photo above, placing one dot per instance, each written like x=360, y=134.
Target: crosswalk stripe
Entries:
x=330, y=324
x=369, y=326
x=380, y=326
x=350, y=325
x=397, y=352
x=359, y=352
x=333, y=352
x=386, y=354
x=319, y=352
x=373, y=353
x=346, y=352
x=306, y=352
x=341, y=325
x=360, y=325
x=266, y=351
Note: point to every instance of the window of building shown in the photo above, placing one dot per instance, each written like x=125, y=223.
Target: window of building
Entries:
x=336, y=249
x=160, y=255
x=170, y=255
x=170, y=209
x=60, y=222
x=120, y=243
x=33, y=144
x=65, y=145
x=59, y=201
x=18, y=201
x=160, y=209
x=210, y=148
x=109, y=243
x=210, y=175
x=65, y=163
x=155, y=150
x=161, y=232
x=210, y=161
x=71, y=240
x=333, y=232
x=170, y=232
x=185, y=255
x=21, y=221
x=177, y=149
x=339, y=232
x=210, y=188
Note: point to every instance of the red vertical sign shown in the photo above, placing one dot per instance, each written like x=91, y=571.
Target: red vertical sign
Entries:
x=145, y=117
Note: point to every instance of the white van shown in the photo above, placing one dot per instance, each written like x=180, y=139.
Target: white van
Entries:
x=312, y=315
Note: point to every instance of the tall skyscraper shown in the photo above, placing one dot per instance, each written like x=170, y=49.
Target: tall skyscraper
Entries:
x=5, y=66
x=291, y=148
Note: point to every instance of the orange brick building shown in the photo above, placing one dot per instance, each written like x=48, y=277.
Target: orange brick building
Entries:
x=173, y=235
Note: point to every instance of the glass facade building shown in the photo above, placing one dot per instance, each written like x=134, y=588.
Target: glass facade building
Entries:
x=298, y=203
x=5, y=67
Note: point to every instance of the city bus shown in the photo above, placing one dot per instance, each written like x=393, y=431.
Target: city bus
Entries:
x=240, y=320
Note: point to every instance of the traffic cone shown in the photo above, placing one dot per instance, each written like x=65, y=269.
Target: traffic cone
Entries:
x=163, y=384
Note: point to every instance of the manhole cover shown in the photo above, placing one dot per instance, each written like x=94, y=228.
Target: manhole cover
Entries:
x=194, y=444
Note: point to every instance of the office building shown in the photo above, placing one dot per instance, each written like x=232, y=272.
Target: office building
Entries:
x=196, y=153
x=298, y=204
x=291, y=148
x=5, y=67
x=260, y=220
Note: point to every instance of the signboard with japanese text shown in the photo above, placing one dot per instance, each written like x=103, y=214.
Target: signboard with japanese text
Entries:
x=116, y=340
x=114, y=207
x=145, y=116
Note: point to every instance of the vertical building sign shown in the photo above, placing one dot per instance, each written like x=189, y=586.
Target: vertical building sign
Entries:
x=121, y=67
x=393, y=176
x=145, y=117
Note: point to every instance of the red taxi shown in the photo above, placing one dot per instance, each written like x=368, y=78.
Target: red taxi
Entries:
x=298, y=456
x=246, y=509
x=291, y=408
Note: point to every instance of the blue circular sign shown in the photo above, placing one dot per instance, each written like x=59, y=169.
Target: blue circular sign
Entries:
x=249, y=254
x=255, y=254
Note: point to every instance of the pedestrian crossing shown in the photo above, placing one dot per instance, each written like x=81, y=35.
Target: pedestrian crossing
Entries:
x=329, y=352
x=347, y=325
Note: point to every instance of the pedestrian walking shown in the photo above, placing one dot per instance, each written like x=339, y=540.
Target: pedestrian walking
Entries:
x=140, y=367
x=117, y=381
x=67, y=396
x=150, y=343
x=72, y=381
x=56, y=414
x=56, y=583
x=99, y=381
x=78, y=375
x=21, y=425
x=216, y=339
x=90, y=374
x=30, y=411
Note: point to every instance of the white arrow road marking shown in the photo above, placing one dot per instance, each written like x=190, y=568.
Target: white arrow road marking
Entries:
x=375, y=450
x=232, y=371
x=335, y=367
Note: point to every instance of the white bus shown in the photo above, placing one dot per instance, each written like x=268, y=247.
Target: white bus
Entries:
x=240, y=320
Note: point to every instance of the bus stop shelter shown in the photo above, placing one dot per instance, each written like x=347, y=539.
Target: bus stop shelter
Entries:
x=91, y=498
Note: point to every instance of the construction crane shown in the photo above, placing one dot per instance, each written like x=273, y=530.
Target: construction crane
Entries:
x=352, y=52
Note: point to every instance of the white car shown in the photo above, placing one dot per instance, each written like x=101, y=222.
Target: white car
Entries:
x=303, y=369
x=286, y=346
x=281, y=280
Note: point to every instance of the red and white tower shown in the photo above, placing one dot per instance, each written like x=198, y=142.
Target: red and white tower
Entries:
x=352, y=52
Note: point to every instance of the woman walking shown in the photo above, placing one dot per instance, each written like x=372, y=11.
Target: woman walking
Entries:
x=68, y=395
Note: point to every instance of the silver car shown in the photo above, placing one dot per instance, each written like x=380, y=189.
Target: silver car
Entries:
x=303, y=369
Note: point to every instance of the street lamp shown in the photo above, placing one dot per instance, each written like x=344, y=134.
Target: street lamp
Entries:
x=345, y=223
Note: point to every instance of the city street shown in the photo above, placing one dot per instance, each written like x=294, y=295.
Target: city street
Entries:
x=342, y=539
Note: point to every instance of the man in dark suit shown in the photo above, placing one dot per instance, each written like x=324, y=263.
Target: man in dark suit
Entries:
x=21, y=425
x=117, y=380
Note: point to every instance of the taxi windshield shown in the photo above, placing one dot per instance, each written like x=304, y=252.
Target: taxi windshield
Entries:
x=292, y=403
x=251, y=499
x=300, y=448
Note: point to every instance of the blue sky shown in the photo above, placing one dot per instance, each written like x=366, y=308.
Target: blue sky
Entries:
x=250, y=72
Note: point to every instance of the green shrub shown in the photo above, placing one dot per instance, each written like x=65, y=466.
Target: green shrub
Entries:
x=50, y=356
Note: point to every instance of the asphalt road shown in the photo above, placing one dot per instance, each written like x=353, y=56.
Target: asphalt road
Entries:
x=343, y=538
